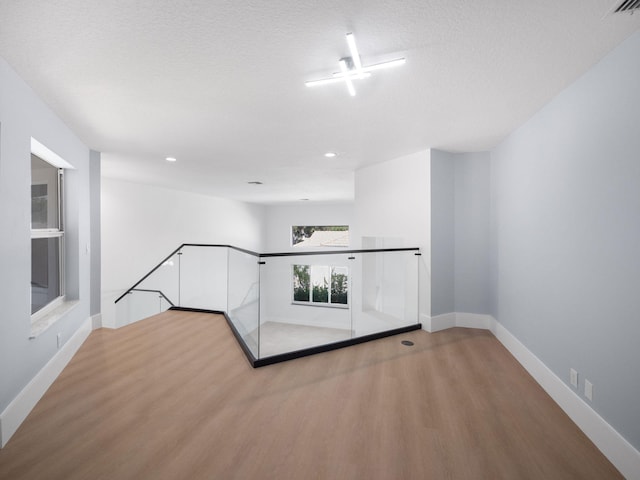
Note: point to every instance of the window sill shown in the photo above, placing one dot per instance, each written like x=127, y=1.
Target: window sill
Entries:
x=324, y=305
x=43, y=323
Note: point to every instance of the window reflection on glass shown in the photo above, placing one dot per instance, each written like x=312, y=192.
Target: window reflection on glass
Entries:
x=44, y=195
x=45, y=271
x=39, y=206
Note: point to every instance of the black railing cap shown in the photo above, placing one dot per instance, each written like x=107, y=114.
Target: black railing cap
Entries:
x=265, y=255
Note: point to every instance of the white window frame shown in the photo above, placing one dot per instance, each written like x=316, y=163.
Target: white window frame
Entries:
x=317, y=228
x=311, y=303
x=50, y=157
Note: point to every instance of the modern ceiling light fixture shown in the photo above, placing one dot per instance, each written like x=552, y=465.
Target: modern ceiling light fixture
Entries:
x=351, y=68
x=347, y=78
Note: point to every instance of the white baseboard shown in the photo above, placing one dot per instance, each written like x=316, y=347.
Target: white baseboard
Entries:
x=21, y=406
x=442, y=322
x=619, y=452
x=425, y=320
x=96, y=321
x=458, y=319
x=613, y=445
x=473, y=320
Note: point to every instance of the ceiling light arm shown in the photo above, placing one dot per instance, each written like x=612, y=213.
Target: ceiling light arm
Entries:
x=355, y=56
x=351, y=68
x=347, y=77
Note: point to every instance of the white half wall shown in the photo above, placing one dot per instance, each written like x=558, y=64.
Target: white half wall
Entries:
x=142, y=224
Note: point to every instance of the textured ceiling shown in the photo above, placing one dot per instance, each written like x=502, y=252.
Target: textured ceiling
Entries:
x=220, y=84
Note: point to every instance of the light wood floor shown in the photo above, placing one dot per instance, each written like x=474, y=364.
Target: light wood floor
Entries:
x=172, y=397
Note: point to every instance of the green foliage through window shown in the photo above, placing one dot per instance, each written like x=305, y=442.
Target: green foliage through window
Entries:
x=320, y=284
x=339, y=288
x=301, y=283
x=321, y=293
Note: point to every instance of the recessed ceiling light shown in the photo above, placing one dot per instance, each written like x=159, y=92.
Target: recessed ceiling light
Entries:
x=331, y=154
x=171, y=159
x=255, y=182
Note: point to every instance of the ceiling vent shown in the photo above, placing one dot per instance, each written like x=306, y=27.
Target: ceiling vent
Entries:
x=627, y=6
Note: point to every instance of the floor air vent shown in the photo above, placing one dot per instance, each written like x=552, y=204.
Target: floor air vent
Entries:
x=627, y=6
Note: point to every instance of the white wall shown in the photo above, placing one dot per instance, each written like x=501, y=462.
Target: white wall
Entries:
x=22, y=116
x=276, y=273
x=94, y=174
x=472, y=232
x=392, y=309
x=565, y=210
x=393, y=200
x=460, y=193
x=442, y=232
x=276, y=287
x=142, y=224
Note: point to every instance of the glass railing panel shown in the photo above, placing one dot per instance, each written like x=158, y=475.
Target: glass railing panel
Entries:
x=386, y=291
x=140, y=304
x=203, y=277
x=281, y=303
x=305, y=302
x=164, y=304
x=166, y=279
x=243, y=297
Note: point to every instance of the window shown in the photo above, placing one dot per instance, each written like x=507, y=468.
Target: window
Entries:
x=47, y=235
x=320, y=236
x=321, y=285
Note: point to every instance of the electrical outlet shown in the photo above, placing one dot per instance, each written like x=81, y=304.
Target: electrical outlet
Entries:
x=588, y=389
x=59, y=339
x=573, y=378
